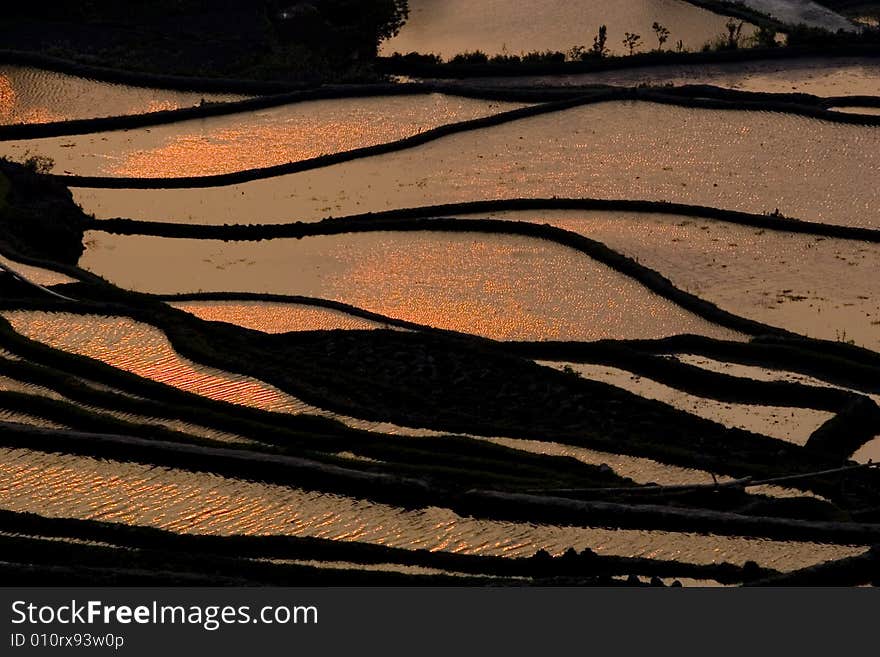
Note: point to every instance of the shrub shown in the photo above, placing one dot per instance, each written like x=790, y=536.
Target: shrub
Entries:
x=544, y=57
x=475, y=57
x=504, y=58
x=765, y=37
x=40, y=164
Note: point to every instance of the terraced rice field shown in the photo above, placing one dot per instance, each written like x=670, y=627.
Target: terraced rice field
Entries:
x=621, y=337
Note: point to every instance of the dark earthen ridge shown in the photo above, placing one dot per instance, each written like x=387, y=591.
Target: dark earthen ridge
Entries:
x=416, y=494
x=74, y=127
x=598, y=96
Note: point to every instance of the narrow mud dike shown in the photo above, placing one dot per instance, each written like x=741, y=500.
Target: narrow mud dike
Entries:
x=722, y=450
x=650, y=278
x=413, y=493
x=722, y=100
x=233, y=232
x=540, y=565
x=75, y=127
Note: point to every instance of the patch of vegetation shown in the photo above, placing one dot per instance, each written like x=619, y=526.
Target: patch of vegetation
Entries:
x=38, y=216
x=264, y=39
x=771, y=39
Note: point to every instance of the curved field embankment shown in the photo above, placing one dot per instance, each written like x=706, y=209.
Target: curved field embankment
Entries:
x=650, y=278
x=720, y=100
x=541, y=565
x=413, y=493
x=122, y=226
x=340, y=92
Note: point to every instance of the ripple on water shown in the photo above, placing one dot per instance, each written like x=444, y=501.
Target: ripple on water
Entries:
x=820, y=287
x=254, y=139
x=31, y=95
x=59, y=485
x=38, y=275
x=271, y=317
x=793, y=425
x=145, y=351
x=498, y=286
x=740, y=160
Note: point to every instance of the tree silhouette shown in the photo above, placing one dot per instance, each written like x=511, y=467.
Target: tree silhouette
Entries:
x=631, y=41
x=662, y=34
x=734, y=30
x=599, y=42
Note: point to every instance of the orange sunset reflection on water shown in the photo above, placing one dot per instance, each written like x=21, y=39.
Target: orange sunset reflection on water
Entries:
x=275, y=317
x=497, y=286
x=503, y=288
x=63, y=485
x=144, y=350
x=32, y=95
x=11, y=110
x=258, y=138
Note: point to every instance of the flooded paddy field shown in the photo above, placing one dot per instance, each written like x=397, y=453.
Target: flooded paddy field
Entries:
x=254, y=139
x=38, y=275
x=789, y=424
x=748, y=161
x=507, y=395
x=496, y=286
x=794, y=12
x=67, y=486
x=278, y=317
x=143, y=350
x=30, y=95
x=816, y=286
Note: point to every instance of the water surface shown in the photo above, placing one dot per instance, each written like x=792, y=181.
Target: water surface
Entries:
x=449, y=27
x=793, y=425
x=752, y=161
x=145, y=351
x=762, y=373
x=60, y=485
x=639, y=469
x=38, y=275
x=253, y=139
x=31, y=95
x=502, y=287
x=820, y=287
x=802, y=12
x=271, y=317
